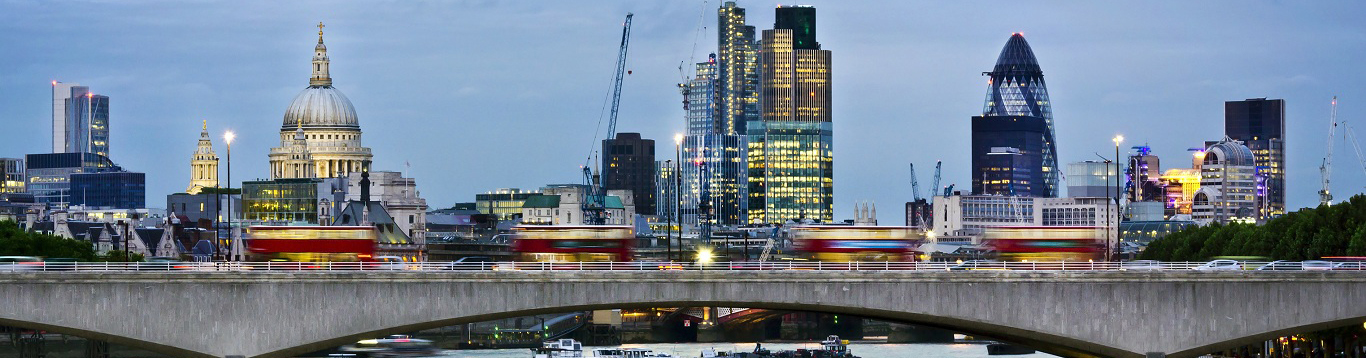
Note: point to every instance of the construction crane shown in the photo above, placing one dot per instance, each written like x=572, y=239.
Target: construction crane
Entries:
x=1326, y=168
x=915, y=185
x=935, y=184
x=1356, y=145
x=595, y=202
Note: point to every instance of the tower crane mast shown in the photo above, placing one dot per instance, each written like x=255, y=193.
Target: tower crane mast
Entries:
x=595, y=202
x=1326, y=168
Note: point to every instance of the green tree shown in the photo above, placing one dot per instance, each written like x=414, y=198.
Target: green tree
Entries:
x=121, y=256
x=14, y=241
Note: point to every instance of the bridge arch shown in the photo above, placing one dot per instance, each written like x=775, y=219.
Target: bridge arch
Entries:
x=1050, y=343
x=1269, y=335
x=154, y=347
x=271, y=314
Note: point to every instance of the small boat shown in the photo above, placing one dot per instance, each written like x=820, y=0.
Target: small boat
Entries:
x=563, y=348
x=392, y=346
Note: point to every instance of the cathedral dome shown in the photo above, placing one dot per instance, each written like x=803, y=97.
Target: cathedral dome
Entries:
x=320, y=106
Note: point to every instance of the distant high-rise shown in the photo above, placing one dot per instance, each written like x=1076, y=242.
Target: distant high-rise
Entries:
x=60, y=93
x=80, y=120
x=1260, y=124
x=1016, y=89
x=713, y=168
x=791, y=160
x=629, y=164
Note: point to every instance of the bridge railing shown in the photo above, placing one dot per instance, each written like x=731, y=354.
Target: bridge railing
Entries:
x=630, y=266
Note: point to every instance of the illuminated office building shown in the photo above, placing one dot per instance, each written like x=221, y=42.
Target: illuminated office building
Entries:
x=1228, y=184
x=791, y=156
x=48, y=175
x=1260, y=124
x=738, y=68
x=1016, y=89
x=11, y=175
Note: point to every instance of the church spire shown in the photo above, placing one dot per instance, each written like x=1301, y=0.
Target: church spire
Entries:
x=204, y=164
x=320, y=62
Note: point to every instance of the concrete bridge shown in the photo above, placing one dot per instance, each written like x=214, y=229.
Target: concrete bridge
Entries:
x=1083, y=314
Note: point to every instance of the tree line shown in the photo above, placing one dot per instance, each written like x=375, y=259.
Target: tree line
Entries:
x=14, y=241
x=1308, y=234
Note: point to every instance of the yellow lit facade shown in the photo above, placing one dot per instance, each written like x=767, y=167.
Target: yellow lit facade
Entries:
x=790, y=157
x=203, y=165
x=1181, y=186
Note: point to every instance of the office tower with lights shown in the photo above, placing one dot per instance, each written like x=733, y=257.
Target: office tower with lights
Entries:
x=791, y=156
x=1016, y=89
x=628, y=162
x=1260, y=124
x=738, y=68
x=712, y=171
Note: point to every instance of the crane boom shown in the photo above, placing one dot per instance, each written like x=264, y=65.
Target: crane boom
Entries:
x=934, y=189
x=915, y=185
x=1326, y=168
x=1356, y=145
x=595, y=203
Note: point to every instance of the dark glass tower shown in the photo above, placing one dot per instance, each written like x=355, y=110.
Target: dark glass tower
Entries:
x=1016, y=88
x=1007, y=155
x=1260, y=124
x=801, y=19
x=629, y=161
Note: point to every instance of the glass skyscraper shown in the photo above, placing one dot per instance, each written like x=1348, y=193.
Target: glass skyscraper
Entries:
x=790, y=159
x=86, y=122
x=1260, y=124
x=713, y=189
x=1016, y=88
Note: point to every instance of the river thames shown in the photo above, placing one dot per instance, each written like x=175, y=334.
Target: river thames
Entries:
x=863, y=350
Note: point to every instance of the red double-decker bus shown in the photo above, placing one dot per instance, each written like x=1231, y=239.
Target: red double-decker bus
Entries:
x=1045, y=243
x=312, y=243
x=590, y=243
x=856, y=243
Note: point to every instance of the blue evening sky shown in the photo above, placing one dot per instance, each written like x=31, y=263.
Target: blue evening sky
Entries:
x=479, y=95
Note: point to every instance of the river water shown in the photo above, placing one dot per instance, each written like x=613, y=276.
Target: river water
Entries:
x=863, y=350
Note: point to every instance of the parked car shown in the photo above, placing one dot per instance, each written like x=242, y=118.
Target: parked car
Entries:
x=979, y=265
x=162, y=263
x=472, y=263
x=1281, y=265
x=20, y=263
x=1317, y=265
x=1350, y=266
x=390, y=263
x=1141, y=265
x=1220, y=265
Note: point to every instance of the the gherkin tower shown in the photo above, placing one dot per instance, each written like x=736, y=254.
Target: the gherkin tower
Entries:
x=1016, y=88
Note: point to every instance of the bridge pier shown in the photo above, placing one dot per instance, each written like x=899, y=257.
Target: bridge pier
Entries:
x=1155, y=355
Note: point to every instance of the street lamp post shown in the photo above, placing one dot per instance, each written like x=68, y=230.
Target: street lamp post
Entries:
x=1118, y=184
x=228, y=137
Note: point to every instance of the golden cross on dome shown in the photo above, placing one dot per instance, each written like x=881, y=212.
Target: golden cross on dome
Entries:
x=320, y=28
x=206, y=124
